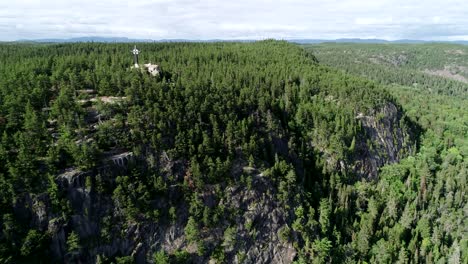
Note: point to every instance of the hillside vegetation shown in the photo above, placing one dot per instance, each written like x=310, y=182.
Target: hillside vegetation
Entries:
x=439, y=68
x=235, y=152
x=435, y=180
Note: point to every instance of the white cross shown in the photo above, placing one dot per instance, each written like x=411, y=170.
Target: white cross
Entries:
x=135, y=51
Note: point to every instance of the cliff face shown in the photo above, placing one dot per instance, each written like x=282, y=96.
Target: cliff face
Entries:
x=248, y=229
x=384, y=140
x=246, y=216
x=383, y=136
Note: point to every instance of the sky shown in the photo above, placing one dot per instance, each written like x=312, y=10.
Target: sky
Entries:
x=235, y=19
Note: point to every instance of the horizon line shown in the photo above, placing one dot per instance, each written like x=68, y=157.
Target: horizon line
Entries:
x=292, y=39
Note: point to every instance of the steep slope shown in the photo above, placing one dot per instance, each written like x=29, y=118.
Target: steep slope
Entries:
x=416, y=211
x=233, y=153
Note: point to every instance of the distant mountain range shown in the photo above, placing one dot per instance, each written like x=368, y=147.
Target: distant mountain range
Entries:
x=299, y=41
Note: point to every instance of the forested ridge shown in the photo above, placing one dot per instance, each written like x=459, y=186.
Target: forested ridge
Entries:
x=235, y=152
x=439, y=68
x=435, y=178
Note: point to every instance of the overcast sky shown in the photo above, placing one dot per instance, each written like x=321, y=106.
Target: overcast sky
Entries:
x=235, y=19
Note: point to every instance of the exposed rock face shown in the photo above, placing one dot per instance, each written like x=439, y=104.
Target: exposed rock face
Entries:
x=393, y=59
x=258, y=207
x=385, y=140
x=257, y=242
x=451, y=73
x=121, y=159
x=153, y=69
x=384, y=137
x=252, y=212
x=104, y=99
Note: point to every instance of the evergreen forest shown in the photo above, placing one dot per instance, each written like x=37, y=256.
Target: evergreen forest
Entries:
x=262, y=152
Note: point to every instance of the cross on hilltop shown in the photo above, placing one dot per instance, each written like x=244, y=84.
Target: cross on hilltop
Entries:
x=135, y=52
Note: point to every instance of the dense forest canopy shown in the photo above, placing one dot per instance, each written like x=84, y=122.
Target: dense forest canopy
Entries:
x=269, y=108
x=428, y=80
x=440, y=68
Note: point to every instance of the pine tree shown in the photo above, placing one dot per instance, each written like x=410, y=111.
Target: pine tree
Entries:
x=191, y=230
x=73, y=242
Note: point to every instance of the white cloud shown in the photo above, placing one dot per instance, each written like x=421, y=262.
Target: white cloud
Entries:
x=373, y=21
x=206, y=19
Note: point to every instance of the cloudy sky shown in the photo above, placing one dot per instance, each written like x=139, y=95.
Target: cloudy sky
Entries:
x=235, y=19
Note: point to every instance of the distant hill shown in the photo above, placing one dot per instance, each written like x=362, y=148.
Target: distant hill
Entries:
x=299, y=41
x=444, y=71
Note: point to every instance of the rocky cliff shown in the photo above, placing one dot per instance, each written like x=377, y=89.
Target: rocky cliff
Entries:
x=381, y=136
x=245, y=218
x=248, y=227
x=384, y=140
